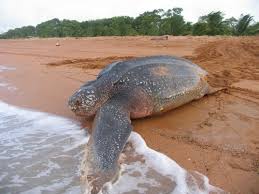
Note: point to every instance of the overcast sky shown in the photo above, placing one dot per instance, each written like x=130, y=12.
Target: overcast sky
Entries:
x=17, y=13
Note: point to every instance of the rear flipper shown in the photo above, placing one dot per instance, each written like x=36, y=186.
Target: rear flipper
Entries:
x=111, y=130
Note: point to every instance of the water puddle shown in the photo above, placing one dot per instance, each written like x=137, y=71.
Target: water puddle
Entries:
x=3, y=83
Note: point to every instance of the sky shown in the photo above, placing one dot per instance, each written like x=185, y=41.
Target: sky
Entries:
x=18, y=13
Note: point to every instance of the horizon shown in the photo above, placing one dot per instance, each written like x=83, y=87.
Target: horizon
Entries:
x=41, y=11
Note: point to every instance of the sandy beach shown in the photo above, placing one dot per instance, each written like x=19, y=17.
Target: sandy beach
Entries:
x=217, y=135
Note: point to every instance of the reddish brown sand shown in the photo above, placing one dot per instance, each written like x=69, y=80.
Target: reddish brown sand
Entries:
x=217, y=135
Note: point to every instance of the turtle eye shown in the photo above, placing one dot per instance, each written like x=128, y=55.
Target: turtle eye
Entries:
x=77, y=102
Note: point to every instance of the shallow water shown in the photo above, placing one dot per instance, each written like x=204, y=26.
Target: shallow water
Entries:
x=6, y=68
x=41, y=153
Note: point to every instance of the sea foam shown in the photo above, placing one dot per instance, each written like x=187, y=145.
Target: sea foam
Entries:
x=147, y=171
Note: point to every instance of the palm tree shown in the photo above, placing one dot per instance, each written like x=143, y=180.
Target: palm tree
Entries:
x=243, y=24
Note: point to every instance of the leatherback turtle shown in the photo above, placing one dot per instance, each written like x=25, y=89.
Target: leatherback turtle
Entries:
x=134, y=88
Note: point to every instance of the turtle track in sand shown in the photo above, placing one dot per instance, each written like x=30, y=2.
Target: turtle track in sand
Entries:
x=234, y=65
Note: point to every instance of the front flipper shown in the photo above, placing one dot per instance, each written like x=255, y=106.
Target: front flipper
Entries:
x=112, y=127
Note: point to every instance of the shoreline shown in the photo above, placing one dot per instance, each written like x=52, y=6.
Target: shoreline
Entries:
x=63, y=148
x=215, y=135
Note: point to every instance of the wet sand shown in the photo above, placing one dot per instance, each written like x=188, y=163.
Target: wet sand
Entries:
x=216, y=135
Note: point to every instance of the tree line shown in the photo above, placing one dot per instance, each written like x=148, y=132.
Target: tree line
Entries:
x=154, y=23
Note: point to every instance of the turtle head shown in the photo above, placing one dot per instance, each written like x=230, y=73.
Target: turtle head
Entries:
x=84, y=102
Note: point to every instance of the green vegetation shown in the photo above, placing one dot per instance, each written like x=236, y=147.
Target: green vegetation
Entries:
x=156, y=22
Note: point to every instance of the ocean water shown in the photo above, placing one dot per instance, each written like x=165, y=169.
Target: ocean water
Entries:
x=41, y=153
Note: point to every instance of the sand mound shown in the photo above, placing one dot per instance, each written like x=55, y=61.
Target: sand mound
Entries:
x=89, y=63
x=234, y=59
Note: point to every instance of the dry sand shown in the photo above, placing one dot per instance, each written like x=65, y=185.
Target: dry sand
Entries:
x=217, y=135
